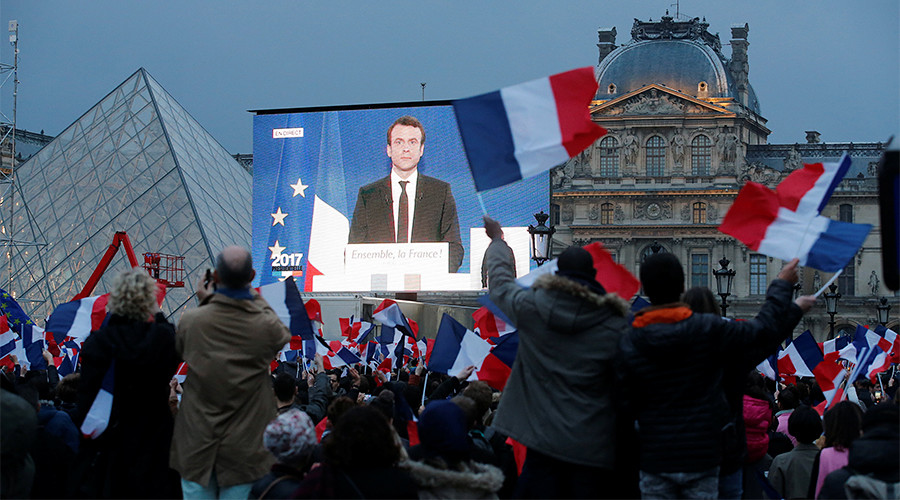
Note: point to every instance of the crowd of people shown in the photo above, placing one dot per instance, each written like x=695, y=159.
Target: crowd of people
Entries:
x=664, y=404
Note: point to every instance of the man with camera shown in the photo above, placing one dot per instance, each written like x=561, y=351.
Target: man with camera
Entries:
x=228, y=343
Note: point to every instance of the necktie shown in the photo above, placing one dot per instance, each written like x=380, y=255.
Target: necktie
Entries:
x=403, y=216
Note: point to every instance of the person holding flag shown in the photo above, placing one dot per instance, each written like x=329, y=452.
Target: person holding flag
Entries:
x=558, y=398
x=683, y=355
x=123, y=397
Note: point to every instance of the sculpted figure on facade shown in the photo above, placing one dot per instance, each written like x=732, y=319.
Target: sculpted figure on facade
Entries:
x=594, y=212
x=630, y=147
x=712, y=213
x=653, y=104
x=678, y=144
x=618, y=214
x=561, y=177
x=727, y=144
x=686, y=212
x=568, y=213
x=760, y=173
x=873, y=283
x=793, y=161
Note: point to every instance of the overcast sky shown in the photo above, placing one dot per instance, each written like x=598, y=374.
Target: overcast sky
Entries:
x=823, y=65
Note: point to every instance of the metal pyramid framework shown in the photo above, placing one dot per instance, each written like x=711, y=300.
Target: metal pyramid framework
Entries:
x=138, y=162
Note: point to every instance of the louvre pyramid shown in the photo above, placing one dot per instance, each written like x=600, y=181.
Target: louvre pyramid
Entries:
x=138, y=162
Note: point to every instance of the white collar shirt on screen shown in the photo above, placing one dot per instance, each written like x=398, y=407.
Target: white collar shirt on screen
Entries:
x=395, y=198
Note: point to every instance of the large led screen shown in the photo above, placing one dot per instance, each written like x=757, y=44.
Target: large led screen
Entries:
x=324, y=210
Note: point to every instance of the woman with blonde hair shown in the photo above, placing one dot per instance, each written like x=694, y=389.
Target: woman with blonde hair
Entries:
x=130, y=458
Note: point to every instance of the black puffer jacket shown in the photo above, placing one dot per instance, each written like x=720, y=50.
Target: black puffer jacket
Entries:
x=671, y=376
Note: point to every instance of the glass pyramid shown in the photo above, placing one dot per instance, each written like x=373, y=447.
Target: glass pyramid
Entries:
x=135, y=162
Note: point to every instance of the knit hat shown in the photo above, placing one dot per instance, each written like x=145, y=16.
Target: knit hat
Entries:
x=576, y=264
x=443, y=431
x=291, y=436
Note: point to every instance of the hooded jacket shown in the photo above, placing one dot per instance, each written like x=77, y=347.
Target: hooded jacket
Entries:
x=558, y=399
x=672, y=365
x=468, y=480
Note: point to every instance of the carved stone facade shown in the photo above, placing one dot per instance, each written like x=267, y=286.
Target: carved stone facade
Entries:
x=680, y=151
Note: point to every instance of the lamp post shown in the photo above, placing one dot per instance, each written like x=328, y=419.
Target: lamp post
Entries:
x=724, y=278
x=541, y=237
x=883, y=310
x=831, y=299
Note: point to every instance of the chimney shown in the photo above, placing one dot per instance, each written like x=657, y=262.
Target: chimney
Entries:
x=813, y=137
x=607, y=41
x=739, y=65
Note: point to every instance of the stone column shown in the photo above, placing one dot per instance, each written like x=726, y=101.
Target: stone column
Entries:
x=739, y=65
x=607, y=39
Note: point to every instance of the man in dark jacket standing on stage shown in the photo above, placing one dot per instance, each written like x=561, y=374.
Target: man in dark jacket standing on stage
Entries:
x=558, y=399
x=671, y=370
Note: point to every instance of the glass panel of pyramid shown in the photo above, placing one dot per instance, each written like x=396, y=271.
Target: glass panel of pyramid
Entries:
x=135, y=162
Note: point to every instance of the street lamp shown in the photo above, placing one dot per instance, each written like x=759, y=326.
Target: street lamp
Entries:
x=541, y=237
x=883, y=310
x=724, y=278
x=831, y=299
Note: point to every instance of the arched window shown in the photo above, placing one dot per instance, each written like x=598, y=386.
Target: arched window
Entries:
x=652, y=249
x=606, y=213
x=699, y=213
x=701, y=155
x=656, y=156
x=609, y=157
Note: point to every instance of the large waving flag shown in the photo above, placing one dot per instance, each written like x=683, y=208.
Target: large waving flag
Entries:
x=526, y=129
x=786, y=223
x=78, y=318
x=807, y=190
x=757, y=220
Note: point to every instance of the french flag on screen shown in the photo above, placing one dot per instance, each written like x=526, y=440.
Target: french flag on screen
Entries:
x=529, y=128
x=78, y=318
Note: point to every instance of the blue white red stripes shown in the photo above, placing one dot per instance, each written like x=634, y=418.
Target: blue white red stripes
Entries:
x=526, y=129
x=77, y=319
x=97, y=418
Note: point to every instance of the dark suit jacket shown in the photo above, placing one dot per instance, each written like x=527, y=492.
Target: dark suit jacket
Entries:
x=434, y=219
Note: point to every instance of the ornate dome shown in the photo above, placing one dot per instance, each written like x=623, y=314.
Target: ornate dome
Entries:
x=681, y=55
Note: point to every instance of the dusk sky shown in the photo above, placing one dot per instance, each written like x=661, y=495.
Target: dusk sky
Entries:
x=824, y=65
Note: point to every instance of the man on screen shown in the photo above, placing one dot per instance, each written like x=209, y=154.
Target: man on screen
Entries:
x=406, y=207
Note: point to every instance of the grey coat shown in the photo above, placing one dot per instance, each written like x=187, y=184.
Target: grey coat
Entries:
x=558, y=399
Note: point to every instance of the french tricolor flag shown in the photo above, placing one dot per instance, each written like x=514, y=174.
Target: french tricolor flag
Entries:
x=892, y=339
x=786, y=223
x=456, y=347
x=181, y=372
x=340, y=357
x=520, y=131
x=97, y=418
x=285, y=300
x=800, y=357
x=807, y=190
x=78, y=318
x=388, y=313
x=831, y=348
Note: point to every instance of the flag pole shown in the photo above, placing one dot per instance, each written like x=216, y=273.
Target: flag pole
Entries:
x=425, y=386
x=481, y=202
x=830, y=281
